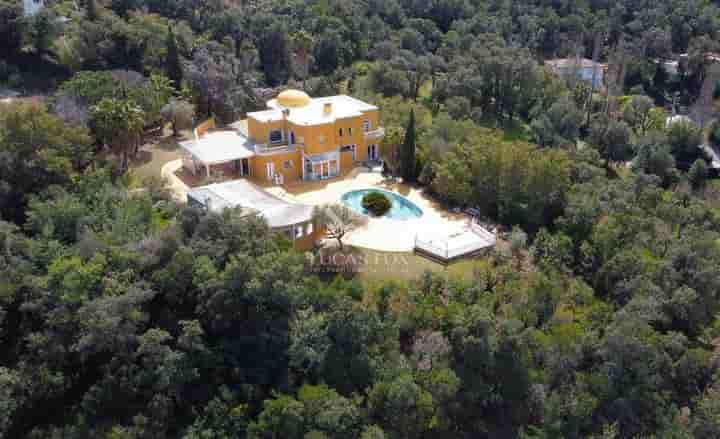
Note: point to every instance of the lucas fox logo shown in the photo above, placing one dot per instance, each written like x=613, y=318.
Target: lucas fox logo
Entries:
x=348, y=262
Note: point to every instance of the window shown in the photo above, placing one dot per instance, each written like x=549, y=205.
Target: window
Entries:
x=298, y=231
x=309, y=229
x=340, y=132
x=321, y=140
x=366, y=125
x=349, y=148
x=276, y=136
x=287, y=164
x=349, y=132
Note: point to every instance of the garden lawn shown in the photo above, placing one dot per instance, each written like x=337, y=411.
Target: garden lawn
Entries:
x=385, y=266
x=152, y=157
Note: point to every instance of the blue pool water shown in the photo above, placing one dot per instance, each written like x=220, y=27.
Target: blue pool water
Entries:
x=402, y=208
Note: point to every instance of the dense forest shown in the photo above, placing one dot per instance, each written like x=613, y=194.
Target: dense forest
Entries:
x=124, y=314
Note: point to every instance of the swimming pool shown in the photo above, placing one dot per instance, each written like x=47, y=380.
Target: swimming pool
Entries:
x=402, y=208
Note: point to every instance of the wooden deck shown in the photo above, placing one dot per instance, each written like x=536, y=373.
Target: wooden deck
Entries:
x=472, y=242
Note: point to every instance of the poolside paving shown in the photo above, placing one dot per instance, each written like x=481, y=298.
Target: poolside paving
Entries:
x=382, y=234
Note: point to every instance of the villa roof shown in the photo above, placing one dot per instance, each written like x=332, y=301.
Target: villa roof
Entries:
x=219, y=147
x=713, y=155
x=241, y=193
x=677, y=118
x=293, y=99
x=312, y=112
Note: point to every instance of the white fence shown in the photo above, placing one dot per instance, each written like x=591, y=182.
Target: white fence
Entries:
x=472, y=241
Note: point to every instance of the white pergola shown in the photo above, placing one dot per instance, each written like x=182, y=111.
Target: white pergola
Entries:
x=219, y=147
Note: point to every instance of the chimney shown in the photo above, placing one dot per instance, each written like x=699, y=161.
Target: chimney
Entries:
x=327, y=109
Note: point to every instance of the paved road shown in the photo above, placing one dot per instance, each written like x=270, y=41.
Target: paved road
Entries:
x=174, y=184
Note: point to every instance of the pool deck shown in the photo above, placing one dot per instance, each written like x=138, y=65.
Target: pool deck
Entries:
x=380, y=233
x=383, y=234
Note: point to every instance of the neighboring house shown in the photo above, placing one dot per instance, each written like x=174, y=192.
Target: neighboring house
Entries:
x=296, y=139
x=675, y=66
x=710, y=152
x=671, y=67
x=32, y=7
x=585, y=69
x=713, y=155
x=294, y=220
x=677, y=118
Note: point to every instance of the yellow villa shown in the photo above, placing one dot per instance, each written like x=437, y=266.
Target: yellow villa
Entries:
x=297, y=138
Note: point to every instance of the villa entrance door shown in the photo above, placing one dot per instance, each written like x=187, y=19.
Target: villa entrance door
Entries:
x=244, y=167
x=322, y=170
x=372, y=152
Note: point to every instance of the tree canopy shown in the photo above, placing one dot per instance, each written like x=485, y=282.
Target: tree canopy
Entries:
x=125, y=314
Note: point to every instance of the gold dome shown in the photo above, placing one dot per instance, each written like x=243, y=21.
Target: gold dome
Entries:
x=293, y=99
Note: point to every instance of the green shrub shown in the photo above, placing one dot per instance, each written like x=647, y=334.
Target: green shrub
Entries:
x=714, y=136
x=376, y=203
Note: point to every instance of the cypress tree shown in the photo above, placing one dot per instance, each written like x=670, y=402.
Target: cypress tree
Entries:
x=173, y=67
x=408, y=162
x=122, y=7
x=91, y=11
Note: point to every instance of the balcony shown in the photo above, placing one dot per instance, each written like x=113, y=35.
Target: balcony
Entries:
x=274, y=148
x=377, y=133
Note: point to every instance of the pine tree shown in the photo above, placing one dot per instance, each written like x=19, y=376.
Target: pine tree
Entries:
x=408, y=162
x=173, y=67
x=698, y=174
x=123, y=7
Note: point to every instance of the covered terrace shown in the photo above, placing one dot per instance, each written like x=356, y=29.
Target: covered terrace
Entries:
x=216, y=148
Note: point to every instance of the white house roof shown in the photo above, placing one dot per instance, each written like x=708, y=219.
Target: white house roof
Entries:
x=266, y=115
x=678, y=118
x=241, y=193
x=313, y=113
x=713, y=155
x=219, y=147
x=573, y=63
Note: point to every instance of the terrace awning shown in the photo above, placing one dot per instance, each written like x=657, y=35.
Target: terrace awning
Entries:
x=219, y=147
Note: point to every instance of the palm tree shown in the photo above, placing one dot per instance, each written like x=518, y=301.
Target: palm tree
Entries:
x=118, y=123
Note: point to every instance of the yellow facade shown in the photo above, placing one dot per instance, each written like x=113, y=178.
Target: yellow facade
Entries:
x=346, y=162
x=260, y=131
x=312, y=139
x=288, y=164
x=307, y=241
x=297, y=139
